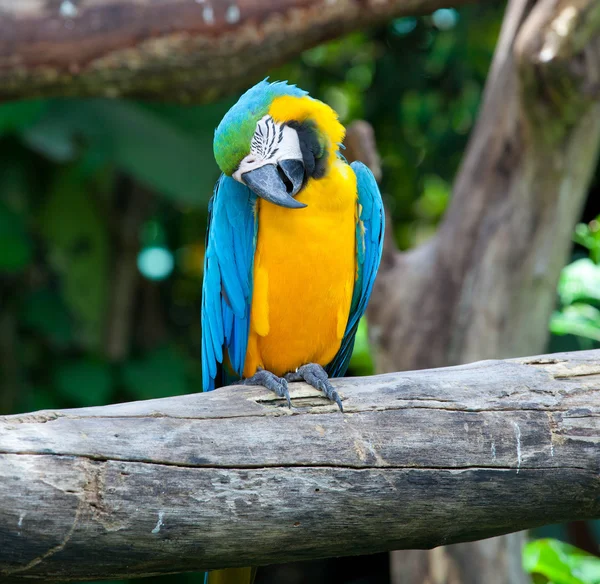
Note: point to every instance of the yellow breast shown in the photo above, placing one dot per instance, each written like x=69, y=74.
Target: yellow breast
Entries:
x=304, y=273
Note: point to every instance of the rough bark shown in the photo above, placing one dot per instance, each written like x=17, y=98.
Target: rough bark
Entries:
x=233, y=477
x=484, y=287
x=175, y=49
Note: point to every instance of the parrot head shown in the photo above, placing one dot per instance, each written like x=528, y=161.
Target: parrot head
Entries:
x=276, y=138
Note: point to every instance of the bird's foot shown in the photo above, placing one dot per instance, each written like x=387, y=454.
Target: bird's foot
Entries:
x=316, y=376
x=269, y=380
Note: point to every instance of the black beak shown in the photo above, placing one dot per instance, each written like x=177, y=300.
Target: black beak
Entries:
x=277, y=184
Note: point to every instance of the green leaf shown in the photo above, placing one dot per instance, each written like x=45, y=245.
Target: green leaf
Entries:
x=84, y=382
x=580, y=281
x=15, y=247
x=168, y=149
x=578, y=319
x=77, y=240
x=435, y=197
x=159, y=373
x=41, y=398
x=44, y=311
x=361, y=361
x=556, y=562
x=18, y=115
x=588, y=235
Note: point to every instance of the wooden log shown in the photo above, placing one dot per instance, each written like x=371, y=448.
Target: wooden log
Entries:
x=233, y=477
x=187, y=50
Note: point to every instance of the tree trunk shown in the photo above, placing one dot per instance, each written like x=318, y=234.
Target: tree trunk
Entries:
x=484, y=286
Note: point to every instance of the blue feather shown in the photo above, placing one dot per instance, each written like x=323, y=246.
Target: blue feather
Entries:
x=227, y=286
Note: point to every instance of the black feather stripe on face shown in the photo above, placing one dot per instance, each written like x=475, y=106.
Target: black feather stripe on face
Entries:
x=314, y=154
x=266, y=139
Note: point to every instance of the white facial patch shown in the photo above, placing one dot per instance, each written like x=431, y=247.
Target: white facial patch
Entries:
x=271, y=143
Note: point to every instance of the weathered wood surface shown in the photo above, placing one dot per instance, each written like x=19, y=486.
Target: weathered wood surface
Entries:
x=173, y=49
x=230, y=478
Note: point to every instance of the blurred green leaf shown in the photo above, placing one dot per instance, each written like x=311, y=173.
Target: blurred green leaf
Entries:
x=15, y=247
x=44, y=311
x=77, y=238
x=159, y=373
x=434, y=200
x=41, y=398
x=18, y=115
x=578, y=319
x=554, y=562
x=361, y=362
x=588, y=235
x=84, y=382
x=166, y=148
x=361, y=76
x=18, y=188
x=580, y=281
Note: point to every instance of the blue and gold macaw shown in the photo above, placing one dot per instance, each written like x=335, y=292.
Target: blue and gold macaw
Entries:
x=293, y=245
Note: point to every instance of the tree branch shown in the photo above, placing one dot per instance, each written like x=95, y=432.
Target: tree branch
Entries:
x=175, y=49
x=234, y=478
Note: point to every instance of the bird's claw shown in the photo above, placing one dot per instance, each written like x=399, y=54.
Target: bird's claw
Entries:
x=317, y=377
x=269, y=380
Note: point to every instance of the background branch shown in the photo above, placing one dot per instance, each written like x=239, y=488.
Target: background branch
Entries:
x=231, y=477
x=175, y=49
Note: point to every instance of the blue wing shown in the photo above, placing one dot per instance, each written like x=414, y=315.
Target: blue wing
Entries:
x=369, y=245
x=227, y=286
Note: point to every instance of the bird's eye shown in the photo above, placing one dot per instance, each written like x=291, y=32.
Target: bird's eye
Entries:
x=250, y=160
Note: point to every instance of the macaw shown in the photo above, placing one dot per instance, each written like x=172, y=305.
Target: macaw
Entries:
x=293, y=245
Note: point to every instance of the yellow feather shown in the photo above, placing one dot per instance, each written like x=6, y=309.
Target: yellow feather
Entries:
x=309, y=256
x=260, y=316
x=300, y=109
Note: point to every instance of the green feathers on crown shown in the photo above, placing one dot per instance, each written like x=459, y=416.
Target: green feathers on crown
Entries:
x=234, y=133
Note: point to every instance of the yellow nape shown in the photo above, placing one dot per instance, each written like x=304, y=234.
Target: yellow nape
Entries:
x=231, y=576
x=300, y=109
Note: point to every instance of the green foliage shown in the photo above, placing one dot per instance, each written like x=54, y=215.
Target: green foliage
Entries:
x=579, y=290
x=580, y=282
x=15, y=246
x=43, y=311
x=158, y=373
x=20, y=115
x=84, y=382
x=551, y=561
x=581, y=320
x=361, y=362
x=76, y=237
x=166, y=148
x=588, y=236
